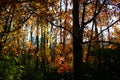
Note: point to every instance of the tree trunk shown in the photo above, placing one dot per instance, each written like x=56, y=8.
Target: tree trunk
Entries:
x=37, y=49
x=90, y=43
x=61, y=36
x=77, y=42
x=43, y=49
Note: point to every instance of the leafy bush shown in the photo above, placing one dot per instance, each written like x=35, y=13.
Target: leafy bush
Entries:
x=9, y=70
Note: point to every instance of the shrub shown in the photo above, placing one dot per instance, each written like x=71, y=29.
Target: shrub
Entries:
x=8, y=68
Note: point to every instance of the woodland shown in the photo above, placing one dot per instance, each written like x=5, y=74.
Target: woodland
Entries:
x=59, y=39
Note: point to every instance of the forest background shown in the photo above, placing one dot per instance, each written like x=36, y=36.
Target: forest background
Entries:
x=59, y=39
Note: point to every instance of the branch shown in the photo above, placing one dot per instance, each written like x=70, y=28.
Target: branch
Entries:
x=21, y=25
x=83, y=14
x=87, y=3
x=101, y=32
x=106, y=28
x=59, y=26
x=110, y=42
x=95, y=13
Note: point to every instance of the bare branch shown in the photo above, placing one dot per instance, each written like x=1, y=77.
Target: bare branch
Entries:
x=101, y=32
x=95, y=13
x=110, y=42
x=59, y=26
x=106, y=28
x=83, y=14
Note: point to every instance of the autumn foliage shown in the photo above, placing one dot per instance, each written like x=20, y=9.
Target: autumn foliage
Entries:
x=59, y=39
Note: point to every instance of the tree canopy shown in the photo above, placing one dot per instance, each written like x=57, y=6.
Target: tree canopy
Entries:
x=60, y=36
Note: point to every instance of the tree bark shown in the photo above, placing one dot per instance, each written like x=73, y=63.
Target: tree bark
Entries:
x=77, y=42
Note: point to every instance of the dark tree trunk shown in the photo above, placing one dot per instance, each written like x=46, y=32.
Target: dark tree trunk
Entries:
x=37, y=49
x=77, y=42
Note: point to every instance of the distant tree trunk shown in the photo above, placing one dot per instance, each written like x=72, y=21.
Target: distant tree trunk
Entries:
x=51, y=45
x=96, y=44
x=30, y=51
x=109, y=37
x=77, y=42
x=43, y=50
x=89, y=44
x=64, y=31
x=61, y=38
x=101, y=37
x=37, y=49
x=44, y=53
x=31, y=34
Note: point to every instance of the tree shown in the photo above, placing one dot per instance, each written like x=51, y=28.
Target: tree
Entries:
x=77, y=41
x=10, y=21
x=82, y=21
x=78, y=30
